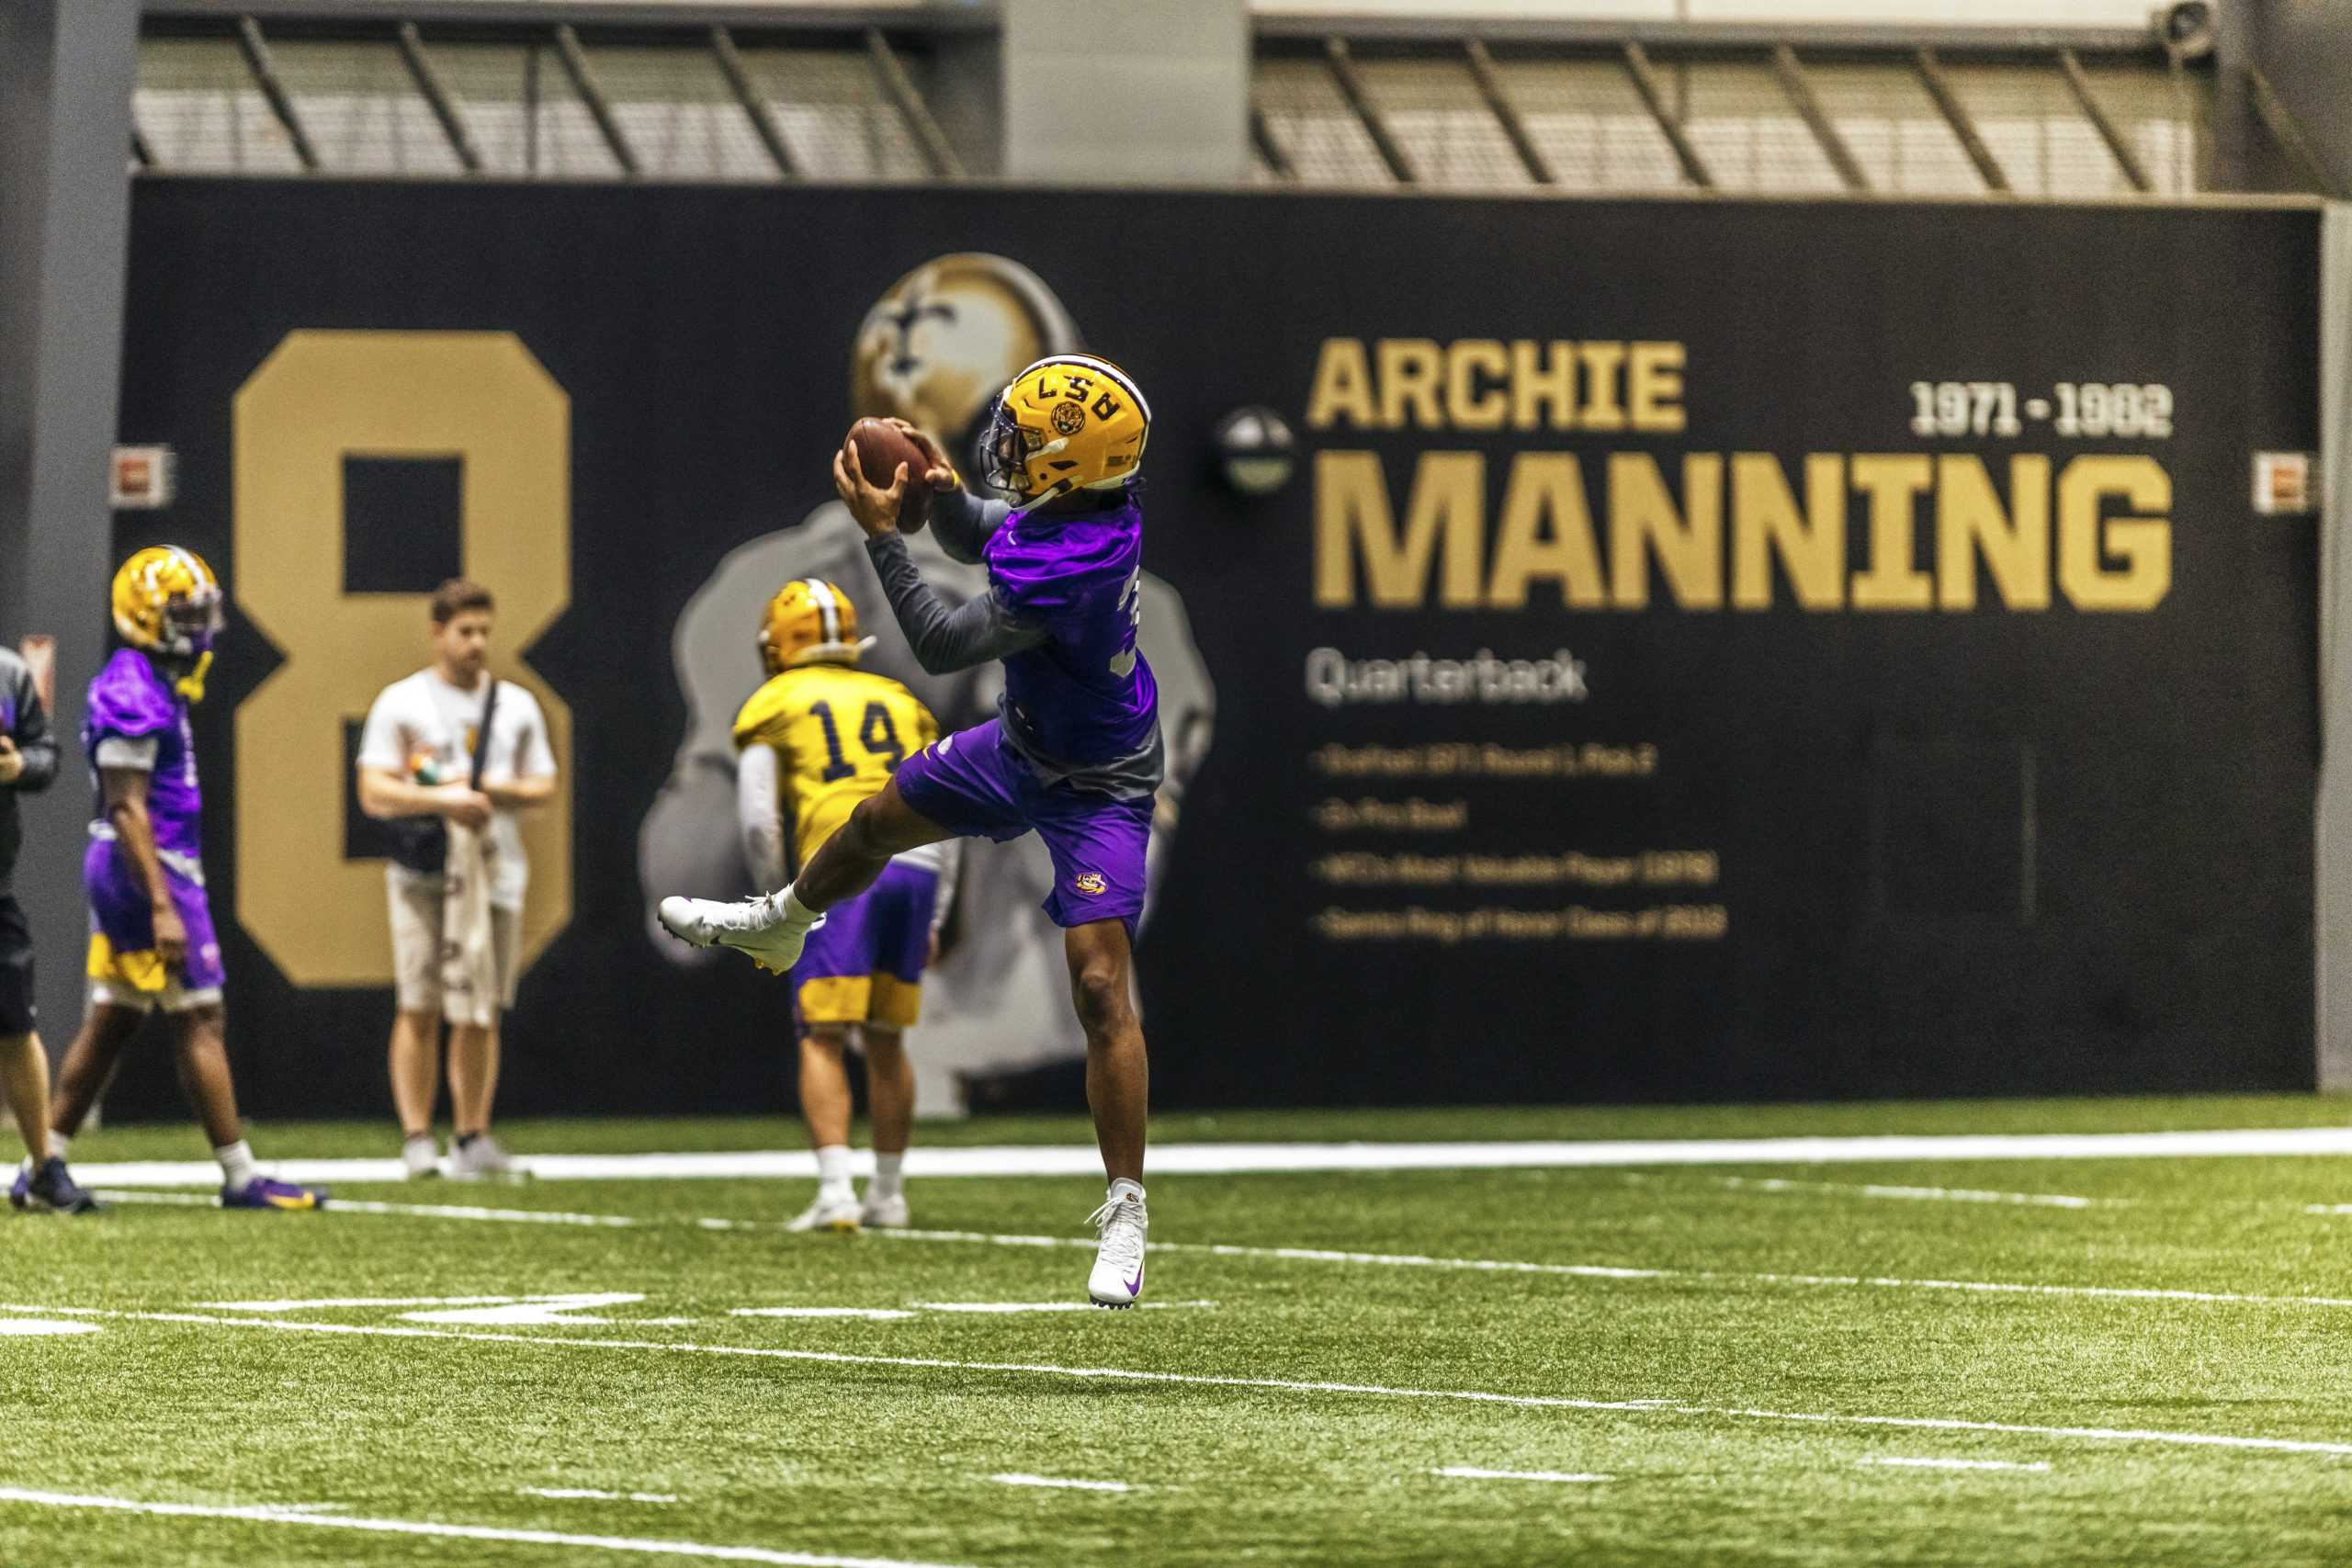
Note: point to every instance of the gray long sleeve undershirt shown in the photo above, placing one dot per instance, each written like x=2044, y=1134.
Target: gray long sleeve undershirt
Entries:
x=962, y=523
x=946, y=640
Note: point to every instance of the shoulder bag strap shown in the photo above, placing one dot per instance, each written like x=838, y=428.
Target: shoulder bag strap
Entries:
x=482, y=739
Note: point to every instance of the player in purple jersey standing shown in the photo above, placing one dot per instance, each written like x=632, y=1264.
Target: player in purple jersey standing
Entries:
x=1074, y=754
x=152, y=943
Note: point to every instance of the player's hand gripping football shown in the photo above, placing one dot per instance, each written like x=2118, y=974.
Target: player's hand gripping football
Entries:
x=12, y=761
x=876, y=509
x=941, y=474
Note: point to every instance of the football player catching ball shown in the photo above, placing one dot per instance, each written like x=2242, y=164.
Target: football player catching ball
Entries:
x=1074, y=754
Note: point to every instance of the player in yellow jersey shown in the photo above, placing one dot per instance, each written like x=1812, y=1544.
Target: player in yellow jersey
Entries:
x=818, y=738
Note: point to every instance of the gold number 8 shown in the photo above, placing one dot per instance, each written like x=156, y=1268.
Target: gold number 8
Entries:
x=483, y=398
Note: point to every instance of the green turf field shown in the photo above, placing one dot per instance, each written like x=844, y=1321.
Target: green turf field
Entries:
x=1784, y=1364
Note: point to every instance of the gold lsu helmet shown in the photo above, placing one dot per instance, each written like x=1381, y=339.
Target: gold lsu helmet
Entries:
x=810, y=621
x=167, y=601
x=1070, y=422
x=939, y=343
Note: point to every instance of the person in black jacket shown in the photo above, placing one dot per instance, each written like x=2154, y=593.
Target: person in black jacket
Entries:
x=28, y=763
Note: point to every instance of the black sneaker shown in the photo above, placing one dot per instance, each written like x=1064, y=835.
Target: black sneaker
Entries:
x=49, y=1186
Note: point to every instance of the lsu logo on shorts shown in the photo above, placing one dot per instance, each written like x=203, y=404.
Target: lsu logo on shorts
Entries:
x=1091, y=884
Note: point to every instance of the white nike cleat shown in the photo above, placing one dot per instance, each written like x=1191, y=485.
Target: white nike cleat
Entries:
x=831, y=1211
x=1117, y=1278
x=885, y=1214
x=480, y=1159
x=755, y=925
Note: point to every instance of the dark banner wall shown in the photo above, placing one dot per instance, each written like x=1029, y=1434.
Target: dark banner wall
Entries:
x=1706, y=650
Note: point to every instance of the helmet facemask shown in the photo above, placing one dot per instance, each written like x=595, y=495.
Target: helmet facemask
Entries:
x=1005, y=451
x=191, y=621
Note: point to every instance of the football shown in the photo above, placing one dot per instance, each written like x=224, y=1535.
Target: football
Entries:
x=879, y=448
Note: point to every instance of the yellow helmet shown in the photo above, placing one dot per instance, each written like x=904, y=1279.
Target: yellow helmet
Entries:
x=167, y=601
x=1070, y=422
x=810, y=621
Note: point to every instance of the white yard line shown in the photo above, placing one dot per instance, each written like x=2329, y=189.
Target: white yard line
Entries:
x=593, y=1495
x=1012, y=1479
x=41, y=1328
x=318, y=1301
x=2005, y=1287
x=1198, y=1380
x=269, y=1516
x=475, y=1211
x=1401, y=1260
x=1006, y=1308
x=915, y=1309
x=1229, y=1159
x=1954, y=1464
x=1471, y=1472
x=1612, y=1271
x=1920, y=1194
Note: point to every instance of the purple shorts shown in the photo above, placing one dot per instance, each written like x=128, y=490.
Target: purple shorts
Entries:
x=976, y=785
x=124, y=965
x=865, y=964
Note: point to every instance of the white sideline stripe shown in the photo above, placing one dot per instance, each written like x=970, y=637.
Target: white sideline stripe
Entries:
x=1472, y=1473
x=1924, y=1194
x=1955, y=1464
x=273, y=1516
x=1013, y=1479
x=1399, y=1260
x=591, y=1492
x=1231, y=1159
x=427, y=1210
x=1200, y=1380
x=869, y=1314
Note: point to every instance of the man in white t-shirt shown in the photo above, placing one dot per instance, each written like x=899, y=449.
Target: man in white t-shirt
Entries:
x=416, y=759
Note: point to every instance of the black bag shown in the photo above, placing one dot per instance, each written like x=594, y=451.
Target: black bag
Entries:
x=421, y=844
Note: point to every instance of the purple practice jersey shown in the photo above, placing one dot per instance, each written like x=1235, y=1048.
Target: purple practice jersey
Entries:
x=132, y=700
x=1085, y=695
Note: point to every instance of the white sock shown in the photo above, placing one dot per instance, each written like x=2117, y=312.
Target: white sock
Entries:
x=414, y=1139
x=58, y=1143
x=888, y=1176
x=832, y=1171
x=788, y=905
x=236, y=1163
x=1122, y=1188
